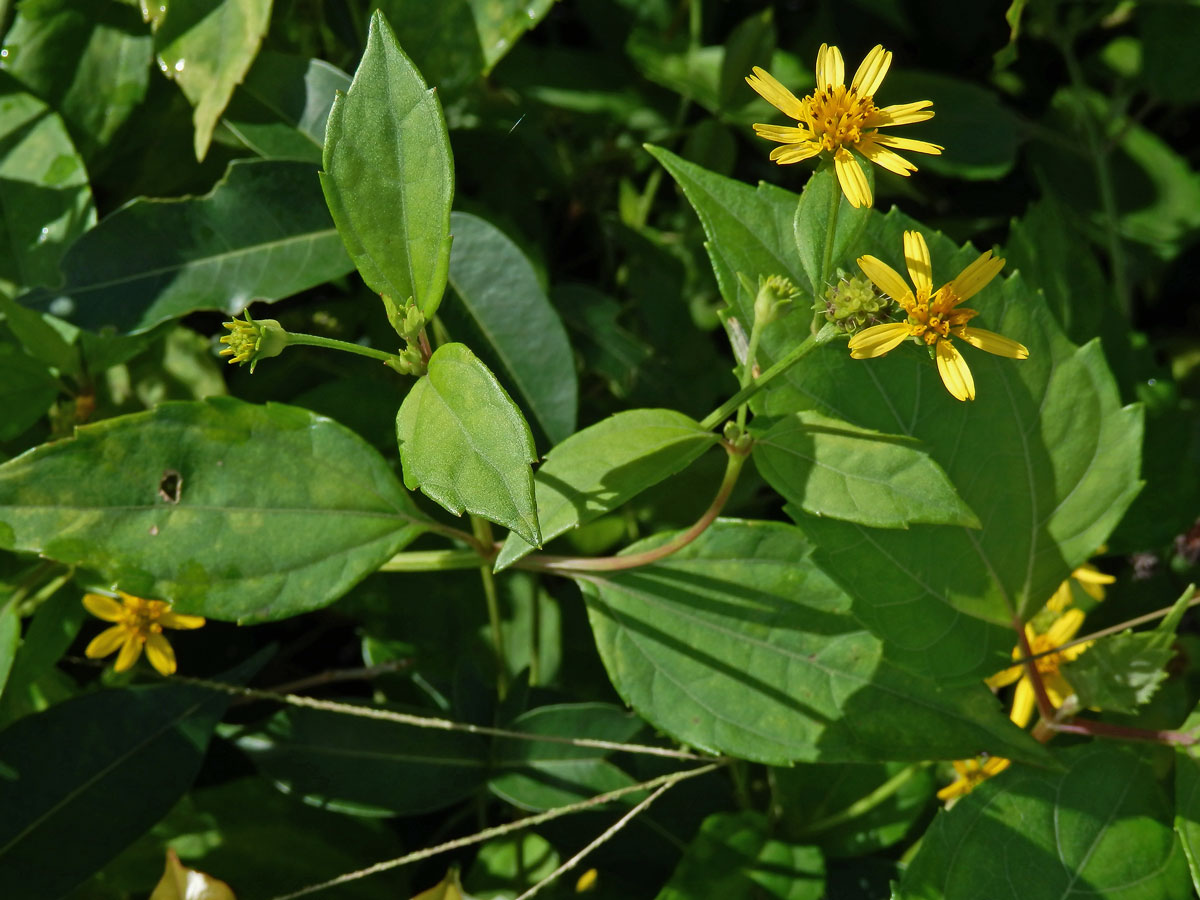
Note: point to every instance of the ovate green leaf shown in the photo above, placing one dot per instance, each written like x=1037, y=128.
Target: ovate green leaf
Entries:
x=262, y=233
x=733, y=857
x=228, y=509
x=500, y=291
x=207, y=47
x=830, y=468
x=465, y=444
x=598, y=469
x=389, y=176
x=739, y=644
x=1100, y=828
x=44, y=188
x=811, y=227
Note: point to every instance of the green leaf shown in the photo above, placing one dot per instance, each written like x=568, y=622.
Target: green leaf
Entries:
x=507, y=866
x=1121, y=672
x=93, y=774
x=1187, y=801
x=1046, y=456
x=10, y=639
x=980, y=135
x=834, y=806
x=366, y=767
x=1100, y=828
x=42, y=177
x=281, y=109
x=811, y=226
x=1169, y=60
x=538, y=775
x=605, y=465
x=738, y=644
x=207, y=47
x=465, y=444
x=733, y=858
x=227, y=509
x=26, y=391
x=89, y=59
x=48, y=636
x=389, y=176
x=826, y=467
x=750, y=44
x=500, y=290
x=260, y=234
x=41, y=338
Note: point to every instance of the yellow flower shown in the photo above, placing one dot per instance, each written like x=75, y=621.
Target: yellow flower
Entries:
x=837, y=118
x=971, y=773
x=250, y=340
x=1089, y=578
x=933, y=316
x=1058, y=689
x=139, y=623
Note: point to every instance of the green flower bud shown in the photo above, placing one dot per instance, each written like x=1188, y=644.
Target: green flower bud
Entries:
x=249, y=341
x=852, y=303
x=775, y=295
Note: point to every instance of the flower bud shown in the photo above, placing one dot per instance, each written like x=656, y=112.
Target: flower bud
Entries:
x=775, y=295
x=852, y=303
x=249, y=341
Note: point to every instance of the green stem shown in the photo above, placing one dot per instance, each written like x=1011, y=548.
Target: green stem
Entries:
x=747, y=374
x=1104, y=180
x=544, y=562
x=865, y=804
x=311, y=340
x=835, y=207
x=432, y=561
x=797, y=353
x=483, y=534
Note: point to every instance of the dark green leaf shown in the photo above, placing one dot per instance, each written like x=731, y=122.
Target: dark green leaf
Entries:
x=830, y=468
x=43, y=178
x=750, y=44
x=539, y=775
x=207, y=47
x=40, y=338
x=53, y=627
x=280, y=111
x=1170, y=63
x=228, y=509
x=389, y=176
x=1046, y=456
x=598, y=469
x=738, y=644
x=366, y=766
x=500, y=291
x=262, y=233
x=831, y=806
x=89, y=59
x=979, y=134
x=10, y=639
x=26, y=391
x=1187, y=801
x=733, y=858
x=1101, y=828
x=93, y=774
x=465, y=444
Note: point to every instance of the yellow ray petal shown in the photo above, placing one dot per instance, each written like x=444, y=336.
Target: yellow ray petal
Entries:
x=992, y=342
x=775, y=93
x=106, y=642
x=792, y=153
x=784, y=134
x=1005, y=678
x=831, y=70
x=956, y=376
x=994, y=765
x=885, y=278
x=878, y=340
x=900, y=114
x=131, y=649
x=1061, y=598
x=900, y=143
x=1023, y=703
x=851, y=178
x=870, y=74
x=881, y=156
x=160, y=654
x=975, y=277
x=916, y=257
x=1065, y=627
x=179, y=620
x=103, y=607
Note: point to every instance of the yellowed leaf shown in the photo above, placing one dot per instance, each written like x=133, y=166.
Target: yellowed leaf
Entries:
x=449, y=888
